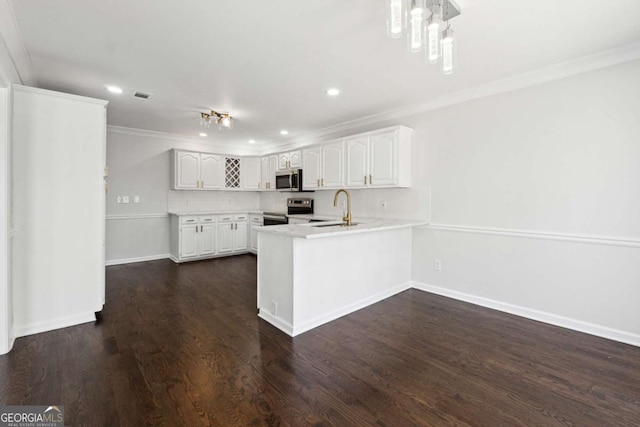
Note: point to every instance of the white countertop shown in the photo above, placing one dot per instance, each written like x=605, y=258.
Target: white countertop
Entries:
x=220, y=212
x=365, y=225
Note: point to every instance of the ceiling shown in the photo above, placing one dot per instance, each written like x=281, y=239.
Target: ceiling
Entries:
x=268, y=63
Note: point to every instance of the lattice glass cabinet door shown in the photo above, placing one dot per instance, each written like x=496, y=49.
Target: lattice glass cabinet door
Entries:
x=232, y=172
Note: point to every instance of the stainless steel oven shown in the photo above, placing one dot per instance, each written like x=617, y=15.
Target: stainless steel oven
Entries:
x=274, y=218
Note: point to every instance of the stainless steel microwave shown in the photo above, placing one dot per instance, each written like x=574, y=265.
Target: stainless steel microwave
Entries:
x=289, y=180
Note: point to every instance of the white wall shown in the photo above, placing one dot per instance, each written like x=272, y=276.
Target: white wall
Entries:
x=139, y=165
x=561, y=159
x=6, y=306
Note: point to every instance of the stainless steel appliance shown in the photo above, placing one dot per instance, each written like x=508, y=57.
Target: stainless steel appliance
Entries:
x=289, y=180
x=299, y=206
x=274, y=218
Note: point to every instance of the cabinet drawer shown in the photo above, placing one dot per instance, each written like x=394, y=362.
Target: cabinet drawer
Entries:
x=188, y=220
x=240, y=217
x=225, y=218
x=207, y=218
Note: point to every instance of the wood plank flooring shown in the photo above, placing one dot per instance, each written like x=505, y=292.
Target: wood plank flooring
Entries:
x=182, y=345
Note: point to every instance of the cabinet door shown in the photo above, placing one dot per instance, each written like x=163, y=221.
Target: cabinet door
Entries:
x=251, y=173
x=254, y=238
x=382, y=160
x=311, y=160
x=332, y=165
x=224, y=238
x=207, y=239
x=357, y=161
x=273, y=167
x=265, y=173
x=240, y=237
x=283, y=161
x=295, y=159
x=211, y=171
x=189, y=241
x=187, y=169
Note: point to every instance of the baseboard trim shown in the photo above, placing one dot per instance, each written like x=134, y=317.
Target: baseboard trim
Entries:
x=136, y=259
x=279, y=323
x=348, y=309
x=59, y=323
x=540, y=316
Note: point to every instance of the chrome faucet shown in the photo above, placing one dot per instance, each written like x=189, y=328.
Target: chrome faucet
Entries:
x=347, y=218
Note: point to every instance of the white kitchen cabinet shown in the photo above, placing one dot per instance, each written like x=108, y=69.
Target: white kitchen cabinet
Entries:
x=232, y=173
x=255, y=222
x=269, y=168
x=196, y=236
x=290, y=160
x=251, y=173
x=323, y=166
x=311, y=167
x=196, y=171
x=210, y=171
x=379, y=159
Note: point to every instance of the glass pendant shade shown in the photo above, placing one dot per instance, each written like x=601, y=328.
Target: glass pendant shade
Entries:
x=433, y=43
x=396, y=18
x=416, y=27
x=448, y=52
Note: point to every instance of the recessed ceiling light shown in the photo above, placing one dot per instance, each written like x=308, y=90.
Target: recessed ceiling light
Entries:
x=252, y=141
x=333, y=91
x=284, y=132
x=114, y=89
x=203, y=134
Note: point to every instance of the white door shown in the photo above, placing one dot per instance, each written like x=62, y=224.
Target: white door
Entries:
x=189, y=241
x=382, y=160
x=187, y=169
x=240, y=237
x=295, y=159
x=211, y=171
x=207, y=239
x=311, y=161
x=224, y=238
x=333, y=165
x=357, y=159
x=251, y=173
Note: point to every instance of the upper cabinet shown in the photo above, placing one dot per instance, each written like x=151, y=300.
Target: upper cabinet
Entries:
x=290, y=160
x=196, y=171
x=379, y=159
x=269, y=167
x=251, y=173
x=323, y=166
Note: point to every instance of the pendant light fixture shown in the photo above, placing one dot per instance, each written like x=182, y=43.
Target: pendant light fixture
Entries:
x=426, y=25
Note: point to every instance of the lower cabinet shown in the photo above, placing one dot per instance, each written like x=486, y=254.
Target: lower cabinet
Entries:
x=255, y=222
x=206, y=236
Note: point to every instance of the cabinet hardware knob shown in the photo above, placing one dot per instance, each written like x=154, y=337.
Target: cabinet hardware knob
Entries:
x=321, y=182
x=365, y=180
x=370, y=180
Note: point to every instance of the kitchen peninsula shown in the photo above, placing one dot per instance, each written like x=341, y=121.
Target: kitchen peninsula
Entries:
x=311, y=274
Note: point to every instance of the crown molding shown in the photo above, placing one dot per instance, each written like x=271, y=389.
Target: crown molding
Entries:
x=585, y=64
x=55, y=94
x=15, y=61
x=177, y=138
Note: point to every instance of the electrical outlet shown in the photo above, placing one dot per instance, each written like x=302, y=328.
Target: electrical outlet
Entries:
x=274, y=308
x=384, y=204
x=437, y=265
x=125, y=199
x=136, y=199
x=119, y=199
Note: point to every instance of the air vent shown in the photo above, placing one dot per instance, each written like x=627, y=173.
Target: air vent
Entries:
x=142, y=95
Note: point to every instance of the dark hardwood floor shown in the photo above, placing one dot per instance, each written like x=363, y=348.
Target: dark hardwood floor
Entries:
x=182, y=345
